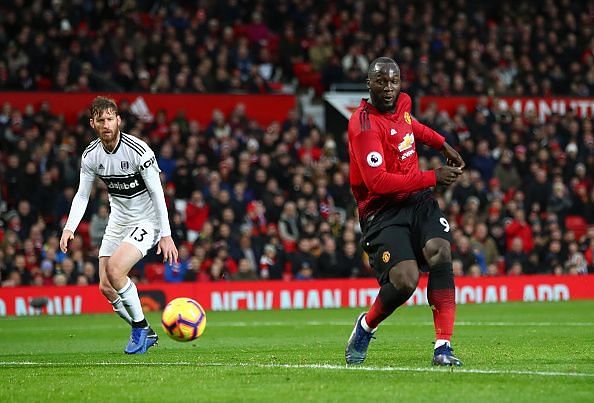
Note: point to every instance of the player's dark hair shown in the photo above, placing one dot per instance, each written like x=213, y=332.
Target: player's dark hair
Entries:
x=380, y=60
x=102, y=104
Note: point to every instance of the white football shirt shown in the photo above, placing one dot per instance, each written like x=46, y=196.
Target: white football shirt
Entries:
x=131, y=174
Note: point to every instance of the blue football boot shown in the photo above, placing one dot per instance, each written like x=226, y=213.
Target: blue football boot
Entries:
x=152, y=335
x=138, y=343
x=444, y=356
x=356, y=348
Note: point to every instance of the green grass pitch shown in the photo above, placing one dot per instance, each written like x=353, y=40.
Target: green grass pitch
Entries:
x=531, y=352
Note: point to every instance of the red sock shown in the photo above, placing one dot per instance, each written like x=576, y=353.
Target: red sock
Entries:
x=388, y=299
x=443, y=304
x=377, y=313
x=442, y=298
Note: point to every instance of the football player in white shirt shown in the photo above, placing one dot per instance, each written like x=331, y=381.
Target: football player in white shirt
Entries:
x=138, y=219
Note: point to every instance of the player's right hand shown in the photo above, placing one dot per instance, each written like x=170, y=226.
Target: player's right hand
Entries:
x=446, y=175
x=67, y=235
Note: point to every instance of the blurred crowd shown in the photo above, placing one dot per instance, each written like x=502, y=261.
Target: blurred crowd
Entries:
x=248, y=202
x=445, y=47
x=245, y=202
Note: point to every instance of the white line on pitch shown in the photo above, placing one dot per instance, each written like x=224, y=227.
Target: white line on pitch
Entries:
x=318, y=323
x=397, y=323
x=330, y=367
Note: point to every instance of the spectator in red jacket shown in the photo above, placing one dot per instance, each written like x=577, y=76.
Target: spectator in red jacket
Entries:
x=197, y=212
x=519, y=228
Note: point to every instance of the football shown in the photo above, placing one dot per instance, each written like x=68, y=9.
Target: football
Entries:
x=183, y=319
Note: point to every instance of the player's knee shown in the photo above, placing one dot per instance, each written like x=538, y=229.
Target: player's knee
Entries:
x=405, y=279
x=113, y=271
x=438, y=253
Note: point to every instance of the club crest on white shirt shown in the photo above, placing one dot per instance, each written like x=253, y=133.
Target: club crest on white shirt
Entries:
x=374, y=159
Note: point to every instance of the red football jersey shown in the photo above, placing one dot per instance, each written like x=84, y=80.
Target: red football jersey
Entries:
x=384, y=166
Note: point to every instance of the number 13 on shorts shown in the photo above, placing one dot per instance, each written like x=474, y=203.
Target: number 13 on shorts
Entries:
x=143, y=236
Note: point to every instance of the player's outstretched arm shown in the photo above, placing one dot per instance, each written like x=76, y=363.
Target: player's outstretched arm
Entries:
x=167, y=246
x=67, y=235
x=78, y=207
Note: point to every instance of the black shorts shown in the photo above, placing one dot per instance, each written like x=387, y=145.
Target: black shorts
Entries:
x=400, y=233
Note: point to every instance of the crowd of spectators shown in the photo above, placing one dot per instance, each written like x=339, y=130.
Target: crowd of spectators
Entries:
x=445, y=47
x=245, y=202
x=252, y=202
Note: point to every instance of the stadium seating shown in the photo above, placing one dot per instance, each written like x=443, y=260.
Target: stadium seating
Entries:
x=577, y=225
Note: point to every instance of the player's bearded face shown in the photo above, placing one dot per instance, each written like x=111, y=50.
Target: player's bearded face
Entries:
x=106, y=125
x=384, y=87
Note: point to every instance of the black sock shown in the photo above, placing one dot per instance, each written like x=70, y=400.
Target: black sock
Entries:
x=388, y=299
x=142, y=323
x=441, y=277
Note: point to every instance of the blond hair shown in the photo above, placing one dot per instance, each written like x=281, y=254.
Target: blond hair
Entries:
x=102, y=104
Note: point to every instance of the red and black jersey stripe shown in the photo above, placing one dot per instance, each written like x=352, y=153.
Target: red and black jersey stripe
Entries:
x=364, y=120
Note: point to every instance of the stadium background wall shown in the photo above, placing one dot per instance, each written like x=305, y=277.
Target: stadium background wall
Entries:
x=262, y=108
x=232, y=296
x=338, y=107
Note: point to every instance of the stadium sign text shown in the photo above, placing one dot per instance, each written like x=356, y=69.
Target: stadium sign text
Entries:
x=541, y=107
x=266, y=295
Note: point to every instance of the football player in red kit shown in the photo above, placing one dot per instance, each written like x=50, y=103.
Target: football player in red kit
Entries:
x=403, y=226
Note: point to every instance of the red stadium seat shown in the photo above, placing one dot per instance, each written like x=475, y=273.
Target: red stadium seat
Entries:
x=275, y=87
x=577, y=224
x=154, y=272
x=288, y=272
x=83, y=230
x=308, y=77
x=301, y=69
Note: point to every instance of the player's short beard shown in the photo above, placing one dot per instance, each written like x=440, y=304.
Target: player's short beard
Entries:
x=112, y=132
x=380, y=104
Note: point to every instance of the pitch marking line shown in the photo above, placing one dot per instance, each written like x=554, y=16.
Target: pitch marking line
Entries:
x=401, y=323
x=329, y=323
x=330, y=367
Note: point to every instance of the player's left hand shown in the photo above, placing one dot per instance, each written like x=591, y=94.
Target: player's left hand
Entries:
x=169, y=250
x=453, y=158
